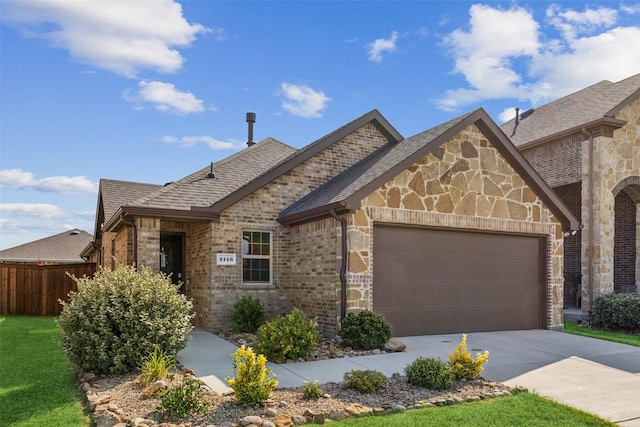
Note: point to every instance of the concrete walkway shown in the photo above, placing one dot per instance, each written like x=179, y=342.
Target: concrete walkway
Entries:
x=596, y=376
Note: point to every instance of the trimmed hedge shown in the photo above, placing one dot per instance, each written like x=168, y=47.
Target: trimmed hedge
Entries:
x=618, y=312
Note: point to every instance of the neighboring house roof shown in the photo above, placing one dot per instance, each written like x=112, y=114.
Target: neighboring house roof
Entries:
x=193, y=195
x=590, y=106
x=61, y=248
x=346, y=190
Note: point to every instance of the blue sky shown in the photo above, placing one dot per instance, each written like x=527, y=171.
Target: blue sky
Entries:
x=150, y=91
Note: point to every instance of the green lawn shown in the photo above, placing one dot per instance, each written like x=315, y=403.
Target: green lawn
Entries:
x=573, y=328
x=36, y=385
x=523, y=409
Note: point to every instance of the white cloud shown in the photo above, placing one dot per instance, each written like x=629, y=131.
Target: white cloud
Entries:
x=571, y=23
x=303, y=101
x=37, y=210
x=380, y=46
x=190, y=141
x=507, y=114
x=123, y=37
x=630, y=8
x=16, y=178
x=166, y=98
x=504, y=54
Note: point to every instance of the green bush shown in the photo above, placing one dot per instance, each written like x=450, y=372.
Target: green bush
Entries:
x=183, y=399
x=463, y=365
x=364, y=381
x=287, y=337
x=429, y=372
x=253, y=382
x=248, y=314
x=312, y=391
x=110, y=324
x=366, y=330
x=618, y=312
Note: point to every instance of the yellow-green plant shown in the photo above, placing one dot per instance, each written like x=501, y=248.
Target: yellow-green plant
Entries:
x=462, y=363
x=253, y=382
x=312, y=391
x=155, y=367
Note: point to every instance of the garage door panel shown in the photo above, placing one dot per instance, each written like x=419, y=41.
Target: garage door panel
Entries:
x=436, y=281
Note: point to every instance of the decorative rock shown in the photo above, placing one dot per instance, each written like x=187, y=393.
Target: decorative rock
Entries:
x=336, y=415
x=251, y=420
x=227, y=424
x=318, y=419
x=105, y=418
x=457, y=399
x=400, y=408
x=395, y=345
x=271, y=413
x=159, y=384
x=299, y=420
x=141, y=422
x=498, y=393
x=282, y=404
x=284, y=420
x=358, y=410
x=267, y=423
x=488, y=395
x=379, y=411
x=88, y=377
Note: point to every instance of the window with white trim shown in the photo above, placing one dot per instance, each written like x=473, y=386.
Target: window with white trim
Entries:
x=256, y=256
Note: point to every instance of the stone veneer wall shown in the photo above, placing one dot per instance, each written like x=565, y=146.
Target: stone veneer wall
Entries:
x=464, y=184
x=616, y=158
x=259, y=211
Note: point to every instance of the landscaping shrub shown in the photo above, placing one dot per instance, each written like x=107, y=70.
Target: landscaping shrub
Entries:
x=364, y=381
x=429, y=372
x=116, y=317
x=365, y=331
x=183, y=399
x=618, y=312
x=248, y=314
x=287, y=337
x=312, y=391
x=463, y=365
x=252, y=383
x=155, y=367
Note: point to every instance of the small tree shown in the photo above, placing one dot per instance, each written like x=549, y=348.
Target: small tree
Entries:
x=253, y=382
x=116, y=317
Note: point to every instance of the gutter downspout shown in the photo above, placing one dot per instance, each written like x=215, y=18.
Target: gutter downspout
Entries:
x=135, y=238
x=591, y=222
x=343, y=265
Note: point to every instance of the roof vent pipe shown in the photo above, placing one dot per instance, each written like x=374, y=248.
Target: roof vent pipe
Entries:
x=211, y=174
x=517, y=121
x=251, y=119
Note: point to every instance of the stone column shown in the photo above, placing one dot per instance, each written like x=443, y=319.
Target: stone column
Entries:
x=148, y=230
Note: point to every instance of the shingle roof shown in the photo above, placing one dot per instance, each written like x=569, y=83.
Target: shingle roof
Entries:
x=116, y=193
x=198, y=189
x=346, y=190
x=595, y=102
x=62, y=247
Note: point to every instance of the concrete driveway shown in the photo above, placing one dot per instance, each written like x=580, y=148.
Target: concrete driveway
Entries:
x=596, y=376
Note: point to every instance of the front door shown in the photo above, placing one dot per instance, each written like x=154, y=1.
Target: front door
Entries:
x=171, y=256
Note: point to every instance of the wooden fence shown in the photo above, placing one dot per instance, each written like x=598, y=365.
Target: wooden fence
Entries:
x=35, y=290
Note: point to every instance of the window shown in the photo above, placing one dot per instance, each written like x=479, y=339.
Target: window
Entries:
x=256, y=257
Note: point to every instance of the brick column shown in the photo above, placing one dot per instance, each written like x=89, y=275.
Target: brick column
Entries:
x=148, y=230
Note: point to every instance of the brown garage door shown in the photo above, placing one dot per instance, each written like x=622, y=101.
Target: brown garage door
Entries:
x=428, y=281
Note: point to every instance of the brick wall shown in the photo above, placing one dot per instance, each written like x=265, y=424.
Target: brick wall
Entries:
x=199, y=275
x=572, y=197
x=624, y=277
x=259, y=211
x=559, y=162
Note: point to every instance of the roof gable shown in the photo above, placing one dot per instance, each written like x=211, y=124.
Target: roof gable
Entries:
x=374, y=117
x=599, y=102
x=62, y=247
x=346, y=191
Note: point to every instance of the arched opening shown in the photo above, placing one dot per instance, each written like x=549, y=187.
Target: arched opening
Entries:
x=625, y=250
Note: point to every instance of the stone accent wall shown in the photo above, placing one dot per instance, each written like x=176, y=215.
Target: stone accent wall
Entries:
x=558, y=162
x=259, y=211
x=464, y=184
x=616, y=158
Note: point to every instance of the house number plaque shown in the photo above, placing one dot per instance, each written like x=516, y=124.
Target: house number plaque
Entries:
x=226, y=259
